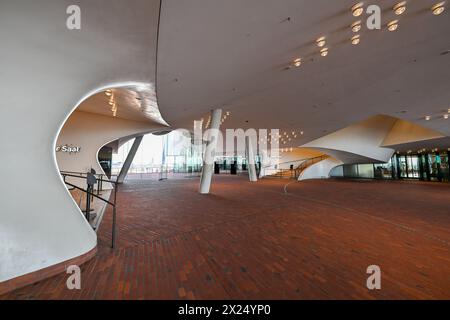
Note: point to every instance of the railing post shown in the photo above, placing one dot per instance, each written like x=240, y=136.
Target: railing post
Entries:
x=99, y=184
x=113, y=233
x=88, y=204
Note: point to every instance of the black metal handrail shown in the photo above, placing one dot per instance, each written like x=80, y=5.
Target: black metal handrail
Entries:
x=84, y=173
x=89, y=194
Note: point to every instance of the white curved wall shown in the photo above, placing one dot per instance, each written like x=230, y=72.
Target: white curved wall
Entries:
x=320, y=170
x=46, y=70
x=360, y=141
x=285, y=159
x=91, y=132
x=365, y=142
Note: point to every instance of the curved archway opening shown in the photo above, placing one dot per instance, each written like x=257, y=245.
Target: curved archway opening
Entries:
x=106, y=116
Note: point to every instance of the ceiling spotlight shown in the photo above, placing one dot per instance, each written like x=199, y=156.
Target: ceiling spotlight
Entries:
x=393, y=25
x=438, y=8
x=357, y=9
x=298, y=62
x=320, y=42
x=356, y=26
x=356, y=39
x=301, y=132
x=427, y=118
x=324, y=52
x=445, y=116
x=400, y=8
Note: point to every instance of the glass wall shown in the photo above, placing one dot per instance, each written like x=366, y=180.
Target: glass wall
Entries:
x=428, y=167
x=383, y=170
x=364, y=171
x=172, y=152
x=225, y=163
x=437, y=166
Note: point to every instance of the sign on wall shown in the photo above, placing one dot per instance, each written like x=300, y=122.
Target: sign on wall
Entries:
x=68, y=149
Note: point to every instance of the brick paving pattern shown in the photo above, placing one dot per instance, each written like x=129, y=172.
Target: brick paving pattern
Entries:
x=256, y=241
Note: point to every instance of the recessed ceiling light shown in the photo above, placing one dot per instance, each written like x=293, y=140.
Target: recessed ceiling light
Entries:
x=320, y=42
x=438, y=8
x=357, y=9
x=393, y=25
x=356, y=26
x=298, y=62
x=427, y=118
x=400, y=8
x=356, y=39
x=445, y=116
x=324, y=52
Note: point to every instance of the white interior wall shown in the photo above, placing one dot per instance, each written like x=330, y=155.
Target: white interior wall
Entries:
x=297, y=154
x=46, y=71
x=320, y=170
x=285, y=159
x=90, y=132
x=362, y=139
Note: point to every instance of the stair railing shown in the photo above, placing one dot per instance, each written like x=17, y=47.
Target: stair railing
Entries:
x=90, y=194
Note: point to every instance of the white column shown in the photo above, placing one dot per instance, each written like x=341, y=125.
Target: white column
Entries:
x=263, y=158
x=250, y=159
x=129, y=160
x=210, y=150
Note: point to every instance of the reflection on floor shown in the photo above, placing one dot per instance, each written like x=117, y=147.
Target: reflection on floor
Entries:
x=269, y=240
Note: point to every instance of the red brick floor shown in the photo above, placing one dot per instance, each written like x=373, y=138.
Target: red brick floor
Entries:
x=266, y=240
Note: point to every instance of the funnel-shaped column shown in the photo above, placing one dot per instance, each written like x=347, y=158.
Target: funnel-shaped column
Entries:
x=210, y=150
x=250, y=159
x=129, y=159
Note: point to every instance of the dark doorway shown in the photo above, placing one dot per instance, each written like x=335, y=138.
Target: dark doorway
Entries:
x=105, y=160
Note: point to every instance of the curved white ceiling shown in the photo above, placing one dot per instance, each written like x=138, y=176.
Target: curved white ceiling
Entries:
x=232, y=54
x=137, y=103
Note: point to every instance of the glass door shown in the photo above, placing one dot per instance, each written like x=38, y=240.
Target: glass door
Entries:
x=403, y=166
x=413, y=167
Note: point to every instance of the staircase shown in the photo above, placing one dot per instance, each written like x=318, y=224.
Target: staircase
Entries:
x=294, y=173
